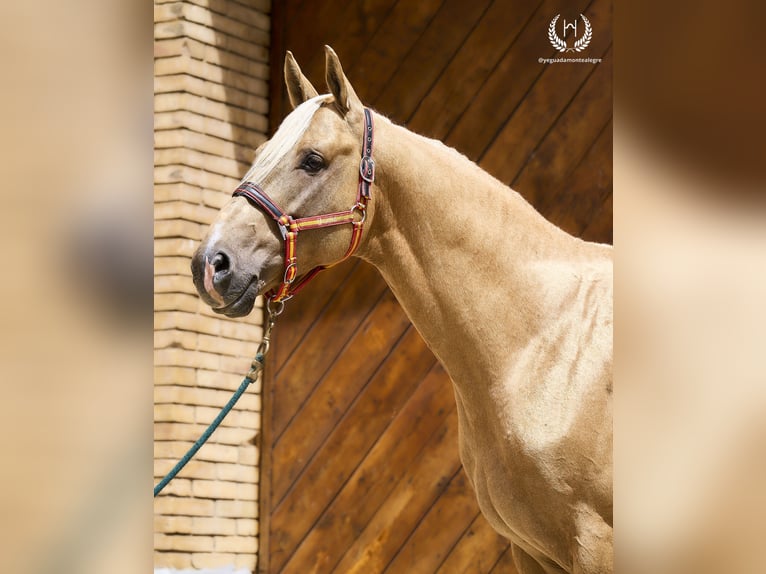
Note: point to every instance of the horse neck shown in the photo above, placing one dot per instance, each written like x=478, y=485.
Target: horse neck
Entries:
x=458, y=249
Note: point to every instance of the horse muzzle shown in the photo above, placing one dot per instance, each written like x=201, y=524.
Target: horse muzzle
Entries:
x=226, y=289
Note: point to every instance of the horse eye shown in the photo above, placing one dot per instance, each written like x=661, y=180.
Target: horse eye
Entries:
x=313, y=163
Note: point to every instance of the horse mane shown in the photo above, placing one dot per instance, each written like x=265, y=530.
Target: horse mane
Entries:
x=290, y=131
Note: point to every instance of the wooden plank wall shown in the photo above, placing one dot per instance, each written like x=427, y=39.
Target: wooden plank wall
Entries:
x=360, y=465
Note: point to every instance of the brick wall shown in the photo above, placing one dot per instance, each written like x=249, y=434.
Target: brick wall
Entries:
x=211, y=107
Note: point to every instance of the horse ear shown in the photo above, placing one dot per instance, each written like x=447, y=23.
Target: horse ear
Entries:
x=299, y=89
x=345, y=97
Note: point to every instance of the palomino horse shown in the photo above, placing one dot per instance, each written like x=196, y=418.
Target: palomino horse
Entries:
x=518, y=311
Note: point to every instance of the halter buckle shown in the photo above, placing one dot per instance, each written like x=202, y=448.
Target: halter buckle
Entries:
x=367, y=169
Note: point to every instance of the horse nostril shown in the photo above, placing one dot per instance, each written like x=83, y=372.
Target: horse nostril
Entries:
x=220, y=262
x=222, y=272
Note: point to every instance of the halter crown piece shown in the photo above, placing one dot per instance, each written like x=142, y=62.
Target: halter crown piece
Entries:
x=289, y=227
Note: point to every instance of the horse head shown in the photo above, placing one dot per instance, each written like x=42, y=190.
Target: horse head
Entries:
x=306, y=174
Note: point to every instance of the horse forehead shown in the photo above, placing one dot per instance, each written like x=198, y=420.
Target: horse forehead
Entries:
x=327, y=127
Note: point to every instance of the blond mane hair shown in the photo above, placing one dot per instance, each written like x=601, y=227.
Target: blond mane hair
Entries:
x=290, y=131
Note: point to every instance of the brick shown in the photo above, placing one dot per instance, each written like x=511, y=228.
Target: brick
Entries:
x=174, y=247
x=214, y=526
x=237, y=473
x=254, y=82
x=175, y=338
x=214, y=200
x=216, y=489
x=235, y=418
x=235, y=364
x=176, y=524
x=236, y=508
x=189, y=322
x=170, y=431
x=218, y=453
x=175, y=413
x=210, y=452
x=212, y=163
x=248, y=331
x=172, y=266
x=248, y=131
x=165, y=48
x=175, y=560
x=164, y=192
x=176, y=302
x=183, y=543
x=228, y=167
x=181, y=487
x=185, y=320
x=247, y=526
x=171, y=449
x=169, y=375
x=228, y=346
x=183, y=506
x=169, y=29
x=174, y=284
x=188, y=139
x=179, y=228
x=188, y=211
x=252, y=118
x=210, y=560
x=256, y=48
x=226, y=24
x=204, y=397
x=252, y=96
x=247, y=491
x=168, y=47
x=186, y=358
x=235, y=436
x=194, y=469
x=191, y=396
x=255, y=13
x=247, y=560
x=178, y=431
x=178, y=173
x=168, y=174
x=252, y=419
x=239, y=544
x=224, y=381
x=168, y=12
x=220, y=381
x=248, y=455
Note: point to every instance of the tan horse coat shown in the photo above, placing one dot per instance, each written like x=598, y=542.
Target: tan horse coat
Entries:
x=518, y=311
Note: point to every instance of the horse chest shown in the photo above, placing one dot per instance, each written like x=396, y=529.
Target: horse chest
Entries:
x=516, y=495
x=529, y=452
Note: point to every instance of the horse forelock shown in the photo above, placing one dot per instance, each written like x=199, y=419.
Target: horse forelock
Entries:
x=290, y=131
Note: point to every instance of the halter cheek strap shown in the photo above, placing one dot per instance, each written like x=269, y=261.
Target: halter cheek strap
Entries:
x=290, y=227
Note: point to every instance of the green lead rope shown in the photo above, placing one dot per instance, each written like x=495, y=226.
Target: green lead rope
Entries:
x=249, y=378
x=256, y=367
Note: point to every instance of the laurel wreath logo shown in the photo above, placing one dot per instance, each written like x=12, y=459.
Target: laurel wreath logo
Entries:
x=557, y=42
x=561, y=45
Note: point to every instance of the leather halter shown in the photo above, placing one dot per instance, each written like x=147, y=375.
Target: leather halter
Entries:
x=289, y=227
